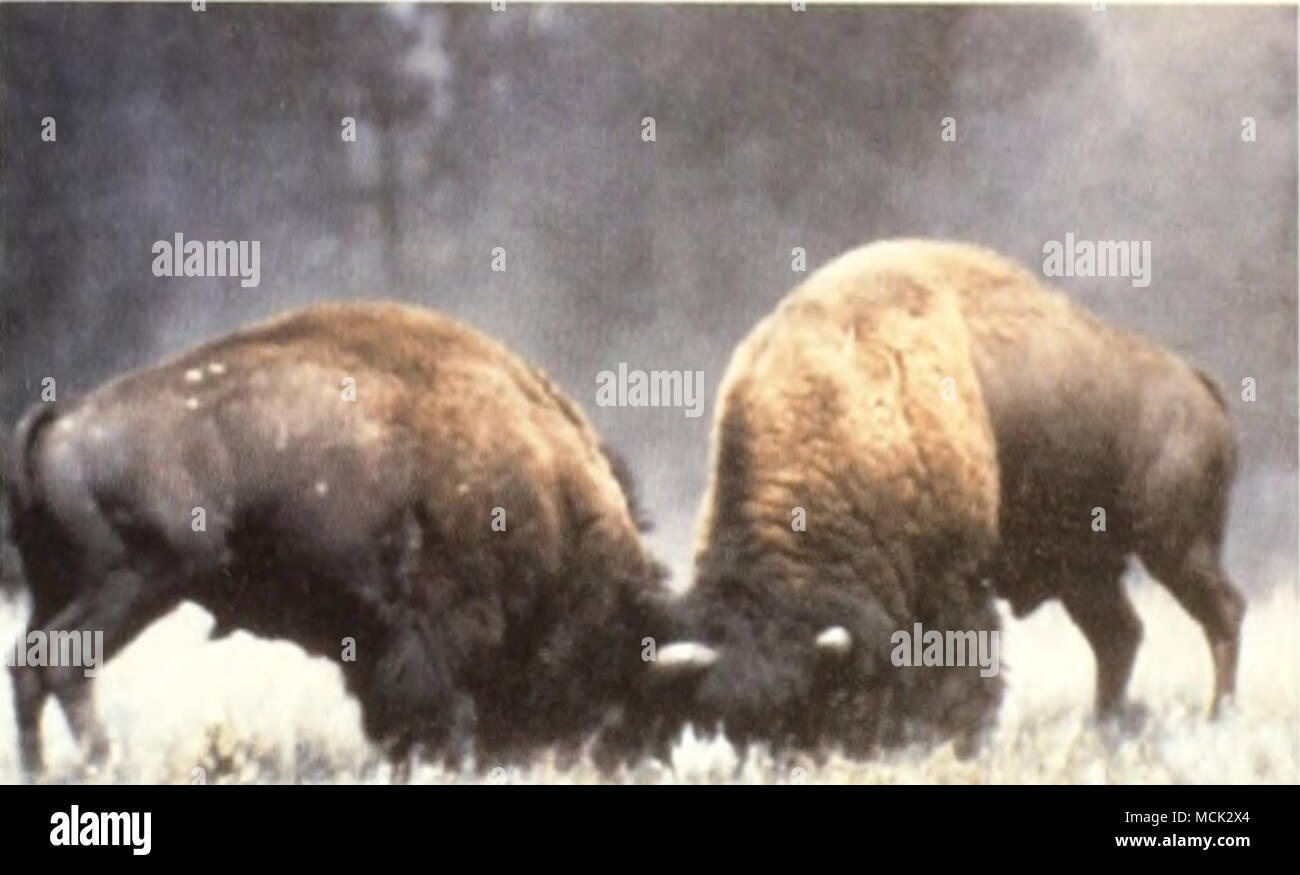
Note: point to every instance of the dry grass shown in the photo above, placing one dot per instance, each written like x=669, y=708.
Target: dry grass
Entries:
x=246, y=710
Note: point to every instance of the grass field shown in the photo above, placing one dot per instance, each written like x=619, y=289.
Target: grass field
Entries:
x=246, y=710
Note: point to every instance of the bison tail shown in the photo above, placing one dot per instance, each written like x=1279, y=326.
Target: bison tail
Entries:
x=20, y=468
x=1224, y=468
x=16, y=491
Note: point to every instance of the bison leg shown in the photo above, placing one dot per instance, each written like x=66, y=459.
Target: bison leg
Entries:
x=30, y=690
x=31, y=686
x=121, y=607
x=78, y=706
x=1106, y=617
x=409, y=697
x=29, y=699
x=1197, y=581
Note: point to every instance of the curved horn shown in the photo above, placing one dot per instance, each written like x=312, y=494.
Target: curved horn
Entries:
x=685, y=655
x=834, y=639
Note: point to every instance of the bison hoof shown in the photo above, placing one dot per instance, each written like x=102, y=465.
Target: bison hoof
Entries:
x=967, y=745
x=1223, y=707
x=1126, y=719
x=98, y=751
x=400, y=772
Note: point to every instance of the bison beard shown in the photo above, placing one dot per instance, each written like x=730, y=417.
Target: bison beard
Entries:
x=329, y=517
x=857, y=402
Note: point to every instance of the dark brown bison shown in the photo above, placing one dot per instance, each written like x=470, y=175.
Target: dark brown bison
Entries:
x=1088, y=419
x=853, y=494
x=363, y=471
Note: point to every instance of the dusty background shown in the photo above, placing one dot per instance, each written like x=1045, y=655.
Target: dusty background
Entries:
x=775, y=129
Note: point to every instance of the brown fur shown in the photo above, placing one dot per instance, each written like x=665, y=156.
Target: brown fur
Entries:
x=836, y=403
x=368, y=519
x=1088, y=415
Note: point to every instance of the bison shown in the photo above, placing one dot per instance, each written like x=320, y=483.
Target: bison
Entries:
x=365, y=471
x=853, y=494
x=1108, y=447
x=1089, y=416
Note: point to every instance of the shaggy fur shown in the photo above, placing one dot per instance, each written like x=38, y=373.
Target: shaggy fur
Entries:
x=329, y=519
x=1089, y=416
x=837, y=403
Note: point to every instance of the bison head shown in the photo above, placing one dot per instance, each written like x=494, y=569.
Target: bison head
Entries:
x=806, y=670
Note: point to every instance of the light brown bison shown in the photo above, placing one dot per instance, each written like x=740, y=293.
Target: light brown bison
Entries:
x=854, y=409
x=367, y=471
x=1088, y=416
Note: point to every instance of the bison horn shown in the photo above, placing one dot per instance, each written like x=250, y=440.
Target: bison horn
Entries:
x=835, y=639
x=685, y=655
